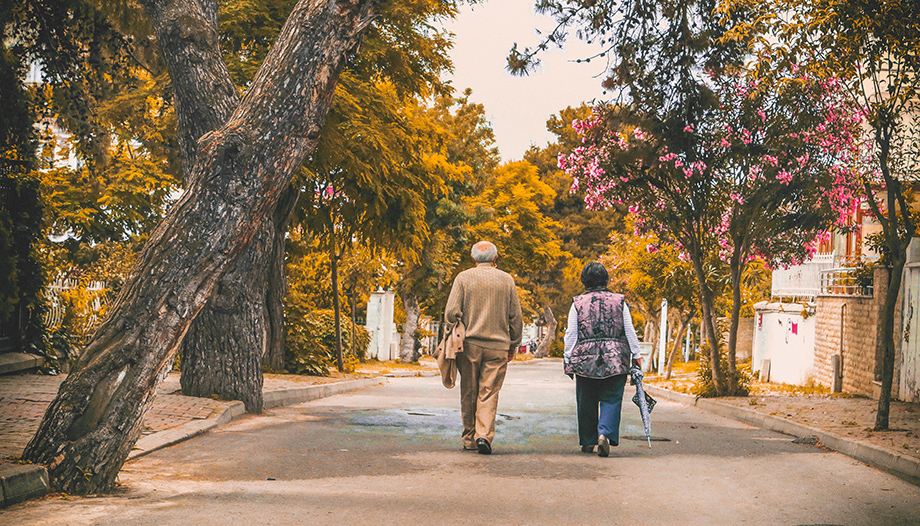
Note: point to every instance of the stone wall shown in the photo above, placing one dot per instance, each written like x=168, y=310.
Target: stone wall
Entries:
x=745, y=342
x=847, y=325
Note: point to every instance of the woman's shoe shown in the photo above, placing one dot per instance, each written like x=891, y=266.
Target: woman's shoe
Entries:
x=603, y=446
x=587, y=449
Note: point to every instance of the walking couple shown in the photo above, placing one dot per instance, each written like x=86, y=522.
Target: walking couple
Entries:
x=600, y=342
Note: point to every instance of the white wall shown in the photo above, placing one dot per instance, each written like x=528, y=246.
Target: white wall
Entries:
x=786, y=338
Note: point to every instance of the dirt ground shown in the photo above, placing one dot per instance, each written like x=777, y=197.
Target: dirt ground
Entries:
x=840, y=414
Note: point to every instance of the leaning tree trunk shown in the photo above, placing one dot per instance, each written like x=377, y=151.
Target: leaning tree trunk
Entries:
x=407, y=352
x=239, y=173
x=542, y=350
x=222, y=353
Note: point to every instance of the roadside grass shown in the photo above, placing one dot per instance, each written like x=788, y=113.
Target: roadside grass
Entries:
x=425, y=363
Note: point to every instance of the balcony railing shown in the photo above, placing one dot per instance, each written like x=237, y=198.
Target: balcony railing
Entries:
x=844, y=282
x=801, y=281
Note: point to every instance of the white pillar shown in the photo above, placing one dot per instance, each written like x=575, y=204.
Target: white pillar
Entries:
x=380, y=325
x=663, y=338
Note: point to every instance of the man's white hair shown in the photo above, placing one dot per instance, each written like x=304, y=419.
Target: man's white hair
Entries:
x=484, y=252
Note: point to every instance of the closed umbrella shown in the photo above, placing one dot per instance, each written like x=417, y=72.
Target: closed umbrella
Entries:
x=645, y=402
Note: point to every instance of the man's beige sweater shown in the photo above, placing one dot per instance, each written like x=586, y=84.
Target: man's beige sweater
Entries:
x=486, y=300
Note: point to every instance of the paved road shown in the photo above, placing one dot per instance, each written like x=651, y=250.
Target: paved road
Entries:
x=391, y=455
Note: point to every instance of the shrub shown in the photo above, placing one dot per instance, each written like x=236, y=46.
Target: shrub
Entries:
x=557, y=348
x=704, y=387
x=310, y=340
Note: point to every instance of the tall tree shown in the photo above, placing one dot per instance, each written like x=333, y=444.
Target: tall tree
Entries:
x=236, y=179
x=762, y=174
x=872, y=48
x=460, y=146
x=21, y=280
x=509, y=212
x=648, y=271
x=403, y=48
x=654, y=52
x=584, y=233
x=369, y=179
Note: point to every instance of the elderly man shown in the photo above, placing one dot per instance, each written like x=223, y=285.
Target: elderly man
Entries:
x=485, y=299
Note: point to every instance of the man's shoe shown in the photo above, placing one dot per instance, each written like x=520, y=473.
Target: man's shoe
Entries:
x=603, y=446
x=483, y=446
x=587, y=449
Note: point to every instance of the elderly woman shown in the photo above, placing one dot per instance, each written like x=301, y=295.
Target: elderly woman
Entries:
x=600, y=341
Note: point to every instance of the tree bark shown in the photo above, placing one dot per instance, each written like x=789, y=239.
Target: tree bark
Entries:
x=203, y=90
x=407, y=352
x=354, y=322
x=542, y=350
x=709, y=330
x=736, y=271
x=277, y=282
x=898, y=239
x=243, y=322
x=888, y=356
x=236, y=180
x=222, y=351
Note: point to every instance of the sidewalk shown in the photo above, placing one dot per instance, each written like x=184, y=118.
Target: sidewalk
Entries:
x=839, y=423
x=172, y=418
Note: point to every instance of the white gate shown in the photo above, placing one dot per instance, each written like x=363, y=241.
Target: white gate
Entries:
x=909, y=384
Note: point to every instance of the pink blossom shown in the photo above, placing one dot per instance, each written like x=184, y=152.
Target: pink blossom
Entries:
x=688, y=128
x=651, y=249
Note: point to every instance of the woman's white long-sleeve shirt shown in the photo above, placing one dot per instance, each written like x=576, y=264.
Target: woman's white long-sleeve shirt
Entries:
x=571, y=333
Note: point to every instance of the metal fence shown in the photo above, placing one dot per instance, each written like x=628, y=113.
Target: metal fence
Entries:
x=844, y=282
x=90, y=308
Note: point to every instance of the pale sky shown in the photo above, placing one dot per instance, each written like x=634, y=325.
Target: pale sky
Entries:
x=518, y=107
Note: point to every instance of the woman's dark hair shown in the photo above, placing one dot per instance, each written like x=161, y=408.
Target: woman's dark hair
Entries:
x=594, y=276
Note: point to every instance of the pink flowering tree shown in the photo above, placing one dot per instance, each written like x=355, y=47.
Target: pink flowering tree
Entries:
x=762, y=173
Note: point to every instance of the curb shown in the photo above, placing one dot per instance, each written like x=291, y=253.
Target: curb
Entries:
x=23, y=482
x=12, y=362
x=28, y=481
x=907, y=468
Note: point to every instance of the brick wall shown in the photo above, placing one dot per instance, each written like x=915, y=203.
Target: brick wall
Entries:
x=847, y=325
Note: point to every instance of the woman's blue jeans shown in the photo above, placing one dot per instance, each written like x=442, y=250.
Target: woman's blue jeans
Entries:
x=599, y=405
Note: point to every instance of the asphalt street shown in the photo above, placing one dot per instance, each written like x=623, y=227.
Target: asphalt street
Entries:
x=392, y=455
